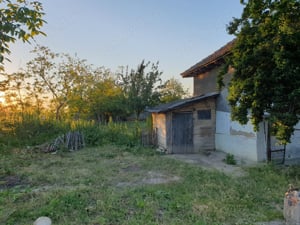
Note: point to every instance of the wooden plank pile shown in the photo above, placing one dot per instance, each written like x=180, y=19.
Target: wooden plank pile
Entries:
x=73, y=141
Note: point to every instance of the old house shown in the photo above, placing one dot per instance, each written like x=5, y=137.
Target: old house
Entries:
x=204, y=123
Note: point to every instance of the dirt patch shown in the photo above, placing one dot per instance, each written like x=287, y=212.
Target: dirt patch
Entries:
x=11, y=181
x=150, y=177
x=131, y=168
x=213, y=160
x=158, y=178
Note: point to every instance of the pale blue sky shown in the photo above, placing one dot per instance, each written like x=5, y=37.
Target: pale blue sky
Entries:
x=113, y=33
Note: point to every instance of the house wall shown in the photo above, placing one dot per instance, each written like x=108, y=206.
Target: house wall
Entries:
x=261, y=142
x=293, y=148
x=233, y=138
x=159, y=124
x=230, y=136
x=206, y=82
x=204, y=129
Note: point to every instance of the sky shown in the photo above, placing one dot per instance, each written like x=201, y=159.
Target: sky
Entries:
x=114, y=33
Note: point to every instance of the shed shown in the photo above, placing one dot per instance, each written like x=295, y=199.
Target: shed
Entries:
x=187, y=125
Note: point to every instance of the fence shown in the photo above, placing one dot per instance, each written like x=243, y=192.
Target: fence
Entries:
x=149, y=138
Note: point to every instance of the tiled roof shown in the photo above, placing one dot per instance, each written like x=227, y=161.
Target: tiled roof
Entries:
x=180, y=103
x=209, y=62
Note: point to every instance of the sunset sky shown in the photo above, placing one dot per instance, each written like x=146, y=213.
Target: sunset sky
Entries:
x=113, y=33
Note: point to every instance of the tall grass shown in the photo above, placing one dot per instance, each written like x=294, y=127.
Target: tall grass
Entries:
x=125, y=133
x=31, y=130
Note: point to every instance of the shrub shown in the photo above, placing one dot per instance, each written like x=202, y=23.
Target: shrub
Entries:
x=230, y=160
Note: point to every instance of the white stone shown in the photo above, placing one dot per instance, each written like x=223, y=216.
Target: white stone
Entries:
x=291, y=209
x=43, y=220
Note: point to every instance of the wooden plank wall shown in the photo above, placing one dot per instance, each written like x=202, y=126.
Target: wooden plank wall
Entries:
x=169, y=132
x=206, y=82
x=204, y=130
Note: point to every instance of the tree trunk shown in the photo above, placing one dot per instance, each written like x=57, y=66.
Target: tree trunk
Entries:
x=58, y=109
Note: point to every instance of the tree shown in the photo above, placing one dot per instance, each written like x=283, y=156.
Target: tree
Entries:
x=43, y=71
x=140, y=86
x=56, y=79
x=18, y=20
x=172, y=90
x=265, y=58
x=106, y=100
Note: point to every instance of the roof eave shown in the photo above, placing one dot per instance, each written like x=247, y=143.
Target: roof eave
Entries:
x=184, y=103
x=210, y=62
x=203, y=69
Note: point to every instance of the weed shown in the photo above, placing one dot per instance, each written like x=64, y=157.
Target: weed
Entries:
x=230, y=160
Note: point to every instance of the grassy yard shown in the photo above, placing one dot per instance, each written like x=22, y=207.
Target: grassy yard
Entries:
x=115, y=185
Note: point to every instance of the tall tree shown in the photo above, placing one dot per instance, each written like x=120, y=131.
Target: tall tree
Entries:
x=141, y=86
x=266, y=56
x=56, y=75
x=19, y=19
x=43, y=71
x=172, y=90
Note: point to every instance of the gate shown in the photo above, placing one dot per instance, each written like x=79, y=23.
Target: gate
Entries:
x=275, y=151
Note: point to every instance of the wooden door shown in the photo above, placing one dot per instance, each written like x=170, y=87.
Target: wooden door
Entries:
x=182, y=132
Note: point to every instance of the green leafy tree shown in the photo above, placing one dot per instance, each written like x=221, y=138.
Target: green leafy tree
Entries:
x=57, y=76
x=265, y=58
x=46, y=78
x=19, y=19
x=106, y=100
x=172, y=90
x=141, y=86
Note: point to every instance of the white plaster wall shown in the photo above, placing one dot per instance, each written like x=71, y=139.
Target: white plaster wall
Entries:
x=293, y=148
x=261, y=143
x=159, y=124
x=233, y=138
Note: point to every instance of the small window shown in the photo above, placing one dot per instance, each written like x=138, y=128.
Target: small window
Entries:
x=204, y=114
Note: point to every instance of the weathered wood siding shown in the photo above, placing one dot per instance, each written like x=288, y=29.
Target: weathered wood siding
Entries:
x=203, y=129
x=159, y=124
x=206, y=82
x=169, y=132
x=182, y=132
